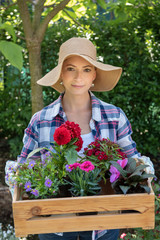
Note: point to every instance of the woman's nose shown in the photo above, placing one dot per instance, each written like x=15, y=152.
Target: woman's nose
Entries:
x=78, y=75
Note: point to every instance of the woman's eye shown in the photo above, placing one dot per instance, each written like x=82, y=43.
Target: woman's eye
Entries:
x=70, y=69
x=87, y=69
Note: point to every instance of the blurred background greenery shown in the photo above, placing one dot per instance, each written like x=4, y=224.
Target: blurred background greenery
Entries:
x=126, y=34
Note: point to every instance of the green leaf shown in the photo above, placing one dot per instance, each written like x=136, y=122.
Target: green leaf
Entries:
x=134, y=184
x=148, y=175
x=71, y=3
x=8, y=28
x=71, y=156
x=13, y=53
x=137, y=173
x=34, y=152
x=102, y=3
x=57, y=16
x=146, y=188
x=141, y=167
x=107, y=164
x=80, y=10
x=131, y=165
x=124, y=188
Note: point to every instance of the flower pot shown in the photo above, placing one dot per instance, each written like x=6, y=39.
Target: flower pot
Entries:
x=64, y=191
x=106, y=188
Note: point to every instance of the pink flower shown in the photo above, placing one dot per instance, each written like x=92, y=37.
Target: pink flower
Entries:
x=87, y=166
x=74, y=166
x=115, y=173
x=123, y=235
x=123, y=162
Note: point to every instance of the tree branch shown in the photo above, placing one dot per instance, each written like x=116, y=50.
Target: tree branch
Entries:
x=43, y=26
x=20, y=37
x=25, y=16
x=10, y=6
x=39, y=6
x=48, y=6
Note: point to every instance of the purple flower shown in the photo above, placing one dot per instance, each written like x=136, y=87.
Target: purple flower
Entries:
x=35, y=192
x=12, y=169
x=31, y=164
x=27, y=186
x=46, y=155
x=7, y=176
x=115, y=172
x=48, y=183
x=68, y=169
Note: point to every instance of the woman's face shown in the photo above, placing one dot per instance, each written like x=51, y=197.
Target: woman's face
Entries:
x=77, y=75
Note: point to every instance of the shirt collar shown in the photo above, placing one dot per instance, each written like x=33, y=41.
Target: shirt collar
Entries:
x=96, y=110
x=58, y=109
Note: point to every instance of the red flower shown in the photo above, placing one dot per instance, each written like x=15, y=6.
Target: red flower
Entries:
x=100, y=157
x=122, y=154
x=79, y=144
x=75, y=132
x=62, y=136
x=89, y=152
x=73, y=128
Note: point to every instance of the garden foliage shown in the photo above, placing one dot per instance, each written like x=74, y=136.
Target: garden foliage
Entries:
x=131, y=41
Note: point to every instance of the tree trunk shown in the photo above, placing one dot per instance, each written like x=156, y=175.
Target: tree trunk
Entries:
x=34, y=30
x=34, y=49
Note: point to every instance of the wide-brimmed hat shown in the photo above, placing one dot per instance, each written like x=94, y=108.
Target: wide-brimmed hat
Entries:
x=107, y=76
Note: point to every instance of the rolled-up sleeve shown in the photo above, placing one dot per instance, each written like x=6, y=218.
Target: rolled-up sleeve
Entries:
x=30, y=139
x=125, y=141
x=124, y=138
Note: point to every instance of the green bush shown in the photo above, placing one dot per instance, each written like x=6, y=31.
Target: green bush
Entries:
x=132, y=44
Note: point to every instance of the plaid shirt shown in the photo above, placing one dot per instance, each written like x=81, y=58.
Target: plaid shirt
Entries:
x=108, y=121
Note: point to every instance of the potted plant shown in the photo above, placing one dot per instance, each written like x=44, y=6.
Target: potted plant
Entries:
x=44, y=177
x=129, y=176
x=83, y=179
x=101, y=152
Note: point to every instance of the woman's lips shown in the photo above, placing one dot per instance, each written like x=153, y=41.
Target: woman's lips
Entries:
x=77, y=86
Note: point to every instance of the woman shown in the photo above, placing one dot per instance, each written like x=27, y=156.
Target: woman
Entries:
x=76, y=75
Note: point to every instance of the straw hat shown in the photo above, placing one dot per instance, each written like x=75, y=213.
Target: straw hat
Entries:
x=107, y=76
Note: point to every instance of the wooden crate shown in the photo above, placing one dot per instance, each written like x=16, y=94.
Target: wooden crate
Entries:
x=29, y=214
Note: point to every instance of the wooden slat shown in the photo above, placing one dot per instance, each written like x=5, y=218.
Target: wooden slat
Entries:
x=76, y=223
x=84, y=204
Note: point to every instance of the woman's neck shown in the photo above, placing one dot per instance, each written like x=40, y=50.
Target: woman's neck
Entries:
x=76, y=103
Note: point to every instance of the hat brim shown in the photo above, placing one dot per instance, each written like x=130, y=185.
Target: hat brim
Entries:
x=107, y=75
